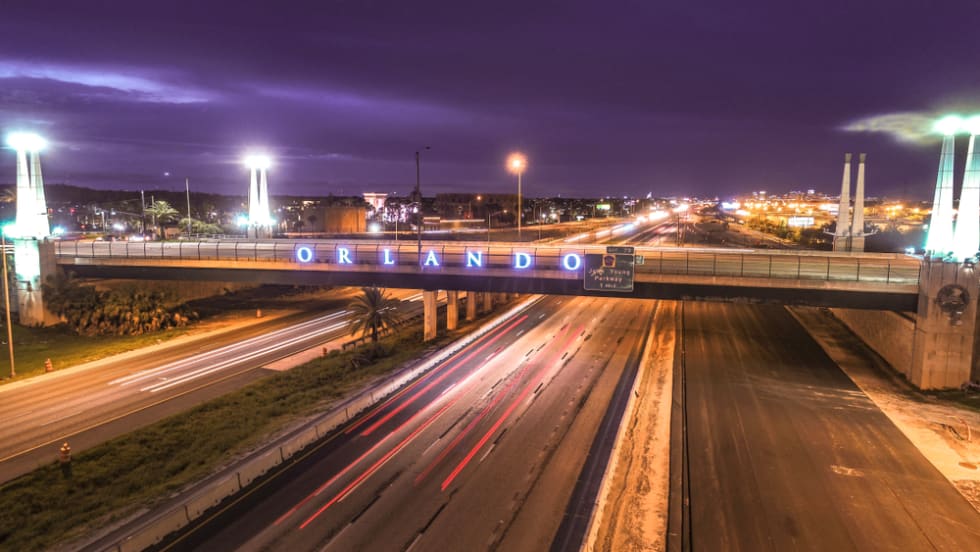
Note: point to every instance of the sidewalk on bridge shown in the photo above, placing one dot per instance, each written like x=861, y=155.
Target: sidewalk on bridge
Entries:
x=947, y=434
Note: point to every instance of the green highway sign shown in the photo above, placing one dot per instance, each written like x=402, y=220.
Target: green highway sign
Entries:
x=609, y=272
x=620, y=249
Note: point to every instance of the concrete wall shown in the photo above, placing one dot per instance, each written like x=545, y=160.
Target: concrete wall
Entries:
x=888, y=333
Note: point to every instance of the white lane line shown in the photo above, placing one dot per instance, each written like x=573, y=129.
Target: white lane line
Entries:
x=232, y=348
x=168, y=383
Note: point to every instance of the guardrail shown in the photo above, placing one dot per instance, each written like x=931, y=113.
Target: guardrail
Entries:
x=472, y=257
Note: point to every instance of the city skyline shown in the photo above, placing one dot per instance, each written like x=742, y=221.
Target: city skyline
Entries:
x=629, y=99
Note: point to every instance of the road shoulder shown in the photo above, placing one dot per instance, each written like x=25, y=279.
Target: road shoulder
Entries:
x=946, y=434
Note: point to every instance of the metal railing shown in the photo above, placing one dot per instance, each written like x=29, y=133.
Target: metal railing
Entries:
x=472, y=257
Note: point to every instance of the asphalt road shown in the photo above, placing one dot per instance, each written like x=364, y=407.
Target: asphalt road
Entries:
x=90, y=406
x=481, y=453
x=786, y=453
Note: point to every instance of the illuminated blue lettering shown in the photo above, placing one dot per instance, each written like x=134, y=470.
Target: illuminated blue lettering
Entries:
x=571, y=261
x=522, y=260
x=431, y=259
x=304, y=254
x=388, y=260
x=343, y=256
x=474, y=258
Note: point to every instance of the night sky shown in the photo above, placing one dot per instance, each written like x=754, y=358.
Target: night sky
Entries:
x=603, y=97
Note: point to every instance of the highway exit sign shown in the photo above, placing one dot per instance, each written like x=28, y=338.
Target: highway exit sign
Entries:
x=609, y=272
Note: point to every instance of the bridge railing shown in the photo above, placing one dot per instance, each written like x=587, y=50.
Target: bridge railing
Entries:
x=565, y=260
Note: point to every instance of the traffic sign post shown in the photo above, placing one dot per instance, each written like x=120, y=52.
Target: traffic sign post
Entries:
x=609, y=272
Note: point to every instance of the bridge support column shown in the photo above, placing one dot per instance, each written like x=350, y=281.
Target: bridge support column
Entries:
x=487, y=301
x=430, y=315
x=452, y=309
x=34, y=261
x=471, y=299
x=945, y=326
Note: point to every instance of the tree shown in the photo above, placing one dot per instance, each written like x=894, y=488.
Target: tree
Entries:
x=373, y=311
x=201, y=227
x=162, y=212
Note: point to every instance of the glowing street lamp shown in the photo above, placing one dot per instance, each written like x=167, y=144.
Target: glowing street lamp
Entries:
x=939, y=240
x=32, y=212
x=258, y=192
x=516, y=163
x=26, y=142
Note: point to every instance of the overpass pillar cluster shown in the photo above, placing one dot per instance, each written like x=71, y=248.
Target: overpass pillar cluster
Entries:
x=945, y=341
x=430, y=315
x=471, y=299
x=452, y=309
x=430, y=309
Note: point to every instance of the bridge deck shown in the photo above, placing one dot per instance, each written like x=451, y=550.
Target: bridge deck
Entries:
x=498, y=267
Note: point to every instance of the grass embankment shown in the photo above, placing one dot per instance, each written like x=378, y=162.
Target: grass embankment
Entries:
x=111, y=480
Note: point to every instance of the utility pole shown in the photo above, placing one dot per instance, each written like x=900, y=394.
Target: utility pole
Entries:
x=142, y=213
x=187, y=188
x=6, y=302
x=418, y=199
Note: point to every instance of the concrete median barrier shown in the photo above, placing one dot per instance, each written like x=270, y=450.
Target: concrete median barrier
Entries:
x=299, y=442
x=258, y=466
x=155, y=532
x=213, y=495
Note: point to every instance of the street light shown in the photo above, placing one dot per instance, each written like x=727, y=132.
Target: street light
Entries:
x=417, y=197
x=516, y=163
x=6, y=300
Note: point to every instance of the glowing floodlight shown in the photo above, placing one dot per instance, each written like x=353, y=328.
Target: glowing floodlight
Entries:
x=516, y=163
x=258, y=162
x=972, y=124
x=949, y=125
x=26, y=141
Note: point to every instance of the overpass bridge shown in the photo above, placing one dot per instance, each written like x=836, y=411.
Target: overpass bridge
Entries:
x=817, y=278
x=938, y=298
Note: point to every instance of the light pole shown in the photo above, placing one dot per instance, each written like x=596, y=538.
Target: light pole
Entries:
x=6, y=302
x=417, y=197
x=187, y=188
x=517, y=163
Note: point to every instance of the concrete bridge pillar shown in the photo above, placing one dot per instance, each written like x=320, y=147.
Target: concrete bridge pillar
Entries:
x=34, y=261
x=430, y=315
x=452, y=309
x=487, y=301
x=945, y=326
x=471, y=299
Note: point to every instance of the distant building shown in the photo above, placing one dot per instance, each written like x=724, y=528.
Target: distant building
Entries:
x=342, y=219
x=376, y=200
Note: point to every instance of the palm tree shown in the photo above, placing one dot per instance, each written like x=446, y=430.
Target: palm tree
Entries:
x=373, y=311
x=162, y=212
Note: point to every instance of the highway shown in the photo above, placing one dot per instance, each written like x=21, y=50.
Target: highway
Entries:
x=785, y=453
x=90, y=406
x=481, y=453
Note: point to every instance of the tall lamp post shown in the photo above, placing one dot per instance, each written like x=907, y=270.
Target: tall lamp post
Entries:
x=417, y=198
x=187, y=190
x=6, y=302
x=516, y=163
